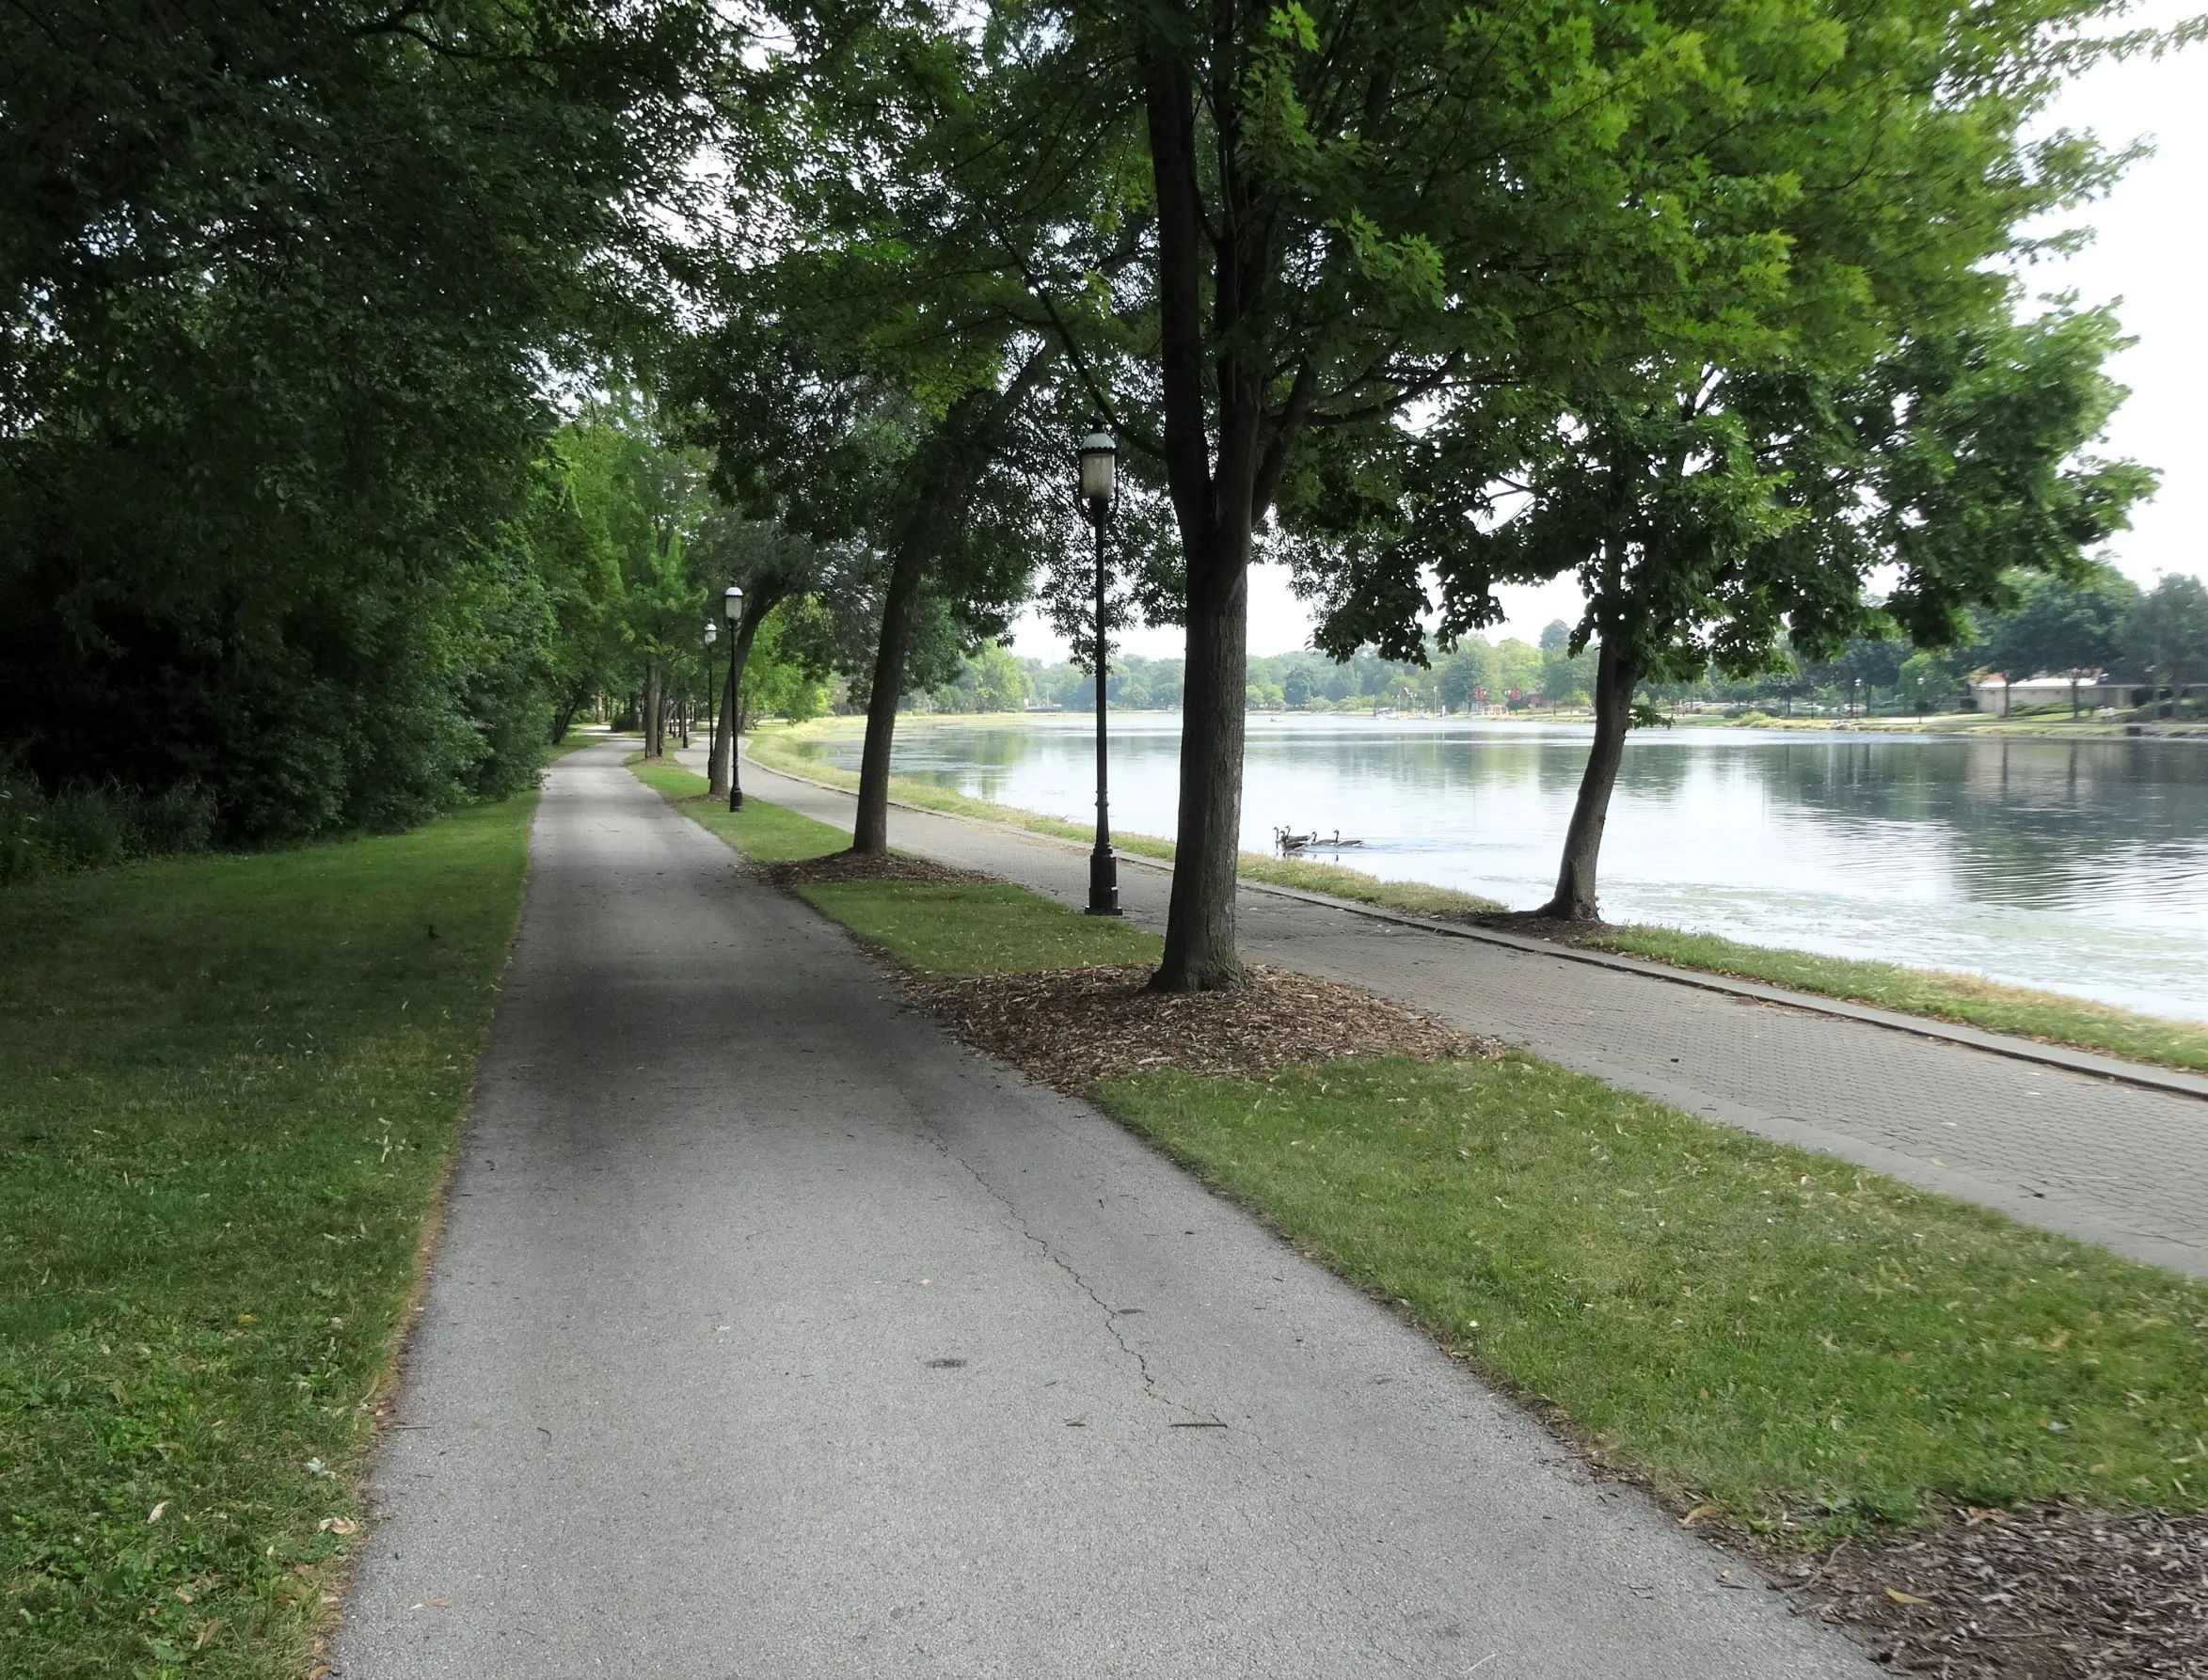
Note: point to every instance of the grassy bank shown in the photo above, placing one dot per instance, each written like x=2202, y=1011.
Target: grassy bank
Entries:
x=230, y=1087
x=2049, y=1017
x=933, y=928
x=2042, y=1015
x=1811, y=1349
x=783, y=750
x=1775, y=1340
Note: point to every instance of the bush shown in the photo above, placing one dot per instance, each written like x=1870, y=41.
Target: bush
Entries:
x=180, y=819
x=22, y=830
x=90, y=827
x=87, y=827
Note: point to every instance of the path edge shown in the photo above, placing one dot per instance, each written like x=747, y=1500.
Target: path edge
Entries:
x=1923, y=1026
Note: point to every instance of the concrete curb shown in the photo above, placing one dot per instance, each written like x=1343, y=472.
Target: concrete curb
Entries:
x=1922, y=1026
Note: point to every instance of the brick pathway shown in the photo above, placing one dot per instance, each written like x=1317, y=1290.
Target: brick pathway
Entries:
x=2089, y=1157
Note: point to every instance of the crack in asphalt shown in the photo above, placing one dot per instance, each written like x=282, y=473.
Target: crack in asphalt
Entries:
x=1111, y=1317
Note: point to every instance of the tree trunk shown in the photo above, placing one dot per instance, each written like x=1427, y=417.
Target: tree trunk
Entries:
x=1615, y=680
x=651, y=709
x=732, y=728
x=1217, y=500
x=564, y=715
x=721, y=756
x=870, y=827
x=1200, y=951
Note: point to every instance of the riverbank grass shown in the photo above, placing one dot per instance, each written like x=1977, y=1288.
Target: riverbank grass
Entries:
x=1809, y=1349
x=2042, y=1015
x=230, y=1089
x=1941, y=994
x=1779, y=1343
x=784, y=749
x=767, y=833
x=941, y=929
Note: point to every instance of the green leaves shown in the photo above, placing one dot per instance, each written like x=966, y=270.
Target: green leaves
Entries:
x=280, y=292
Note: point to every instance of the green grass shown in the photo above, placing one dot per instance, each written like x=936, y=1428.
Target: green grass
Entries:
x=937, y=928
x=940, y=930
x=770, y=834
x=1965, y=998
x=1812, y=1348
x=783, y=750
x=230, y=1089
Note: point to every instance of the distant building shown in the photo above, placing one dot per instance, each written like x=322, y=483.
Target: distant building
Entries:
x=1991, y=692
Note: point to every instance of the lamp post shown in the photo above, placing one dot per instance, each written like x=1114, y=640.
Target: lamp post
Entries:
x=1100, y=463
x=712, y=716
x=732, y=610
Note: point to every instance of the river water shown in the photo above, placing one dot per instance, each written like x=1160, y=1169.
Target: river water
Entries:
x=2076, y=866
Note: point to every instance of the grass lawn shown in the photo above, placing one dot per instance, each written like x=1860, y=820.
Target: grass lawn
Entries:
x=947, y=931
x=933, y=927
x=2042, y=1015
x=1810, y=1348
x=230, y=1089
x=779, y=749
x=770, y=834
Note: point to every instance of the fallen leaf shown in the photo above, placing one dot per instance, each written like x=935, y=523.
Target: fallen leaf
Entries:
x=154, y=1515
x=1900, y=1597
x=1696, y=1515
x=208, y=1630
x=337, y=1525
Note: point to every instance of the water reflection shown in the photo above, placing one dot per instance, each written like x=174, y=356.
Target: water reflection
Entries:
x=2080, y=866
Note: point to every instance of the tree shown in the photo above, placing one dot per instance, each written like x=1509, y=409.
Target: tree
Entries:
x=2168, y=635
x=2062, y=624
x=786, y=674
x=278, y=288
x=777, y=569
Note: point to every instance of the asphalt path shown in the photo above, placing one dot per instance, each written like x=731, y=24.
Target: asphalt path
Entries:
x=774, y=1334
x=2090, y=1157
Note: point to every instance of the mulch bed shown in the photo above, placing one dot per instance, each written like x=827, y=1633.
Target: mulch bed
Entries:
x=1067, y=1028
x=851, y=866
x=2050, y=1592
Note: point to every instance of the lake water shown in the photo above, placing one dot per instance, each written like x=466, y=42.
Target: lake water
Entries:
x=2077, y=866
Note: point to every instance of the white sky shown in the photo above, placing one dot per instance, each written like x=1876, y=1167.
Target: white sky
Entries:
x=2152, y=237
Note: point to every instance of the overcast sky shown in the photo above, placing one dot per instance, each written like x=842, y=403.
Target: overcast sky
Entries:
x=2151, y=235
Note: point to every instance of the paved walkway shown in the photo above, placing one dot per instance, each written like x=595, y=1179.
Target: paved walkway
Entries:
x=2110, y=1163
x=774, y=1336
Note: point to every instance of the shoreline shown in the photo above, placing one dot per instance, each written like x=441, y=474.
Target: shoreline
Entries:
x=1948, y=727
x=1943, y=994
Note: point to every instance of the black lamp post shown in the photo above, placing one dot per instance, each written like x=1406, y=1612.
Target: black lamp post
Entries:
x=712, y=700
x=1100, y=463
x=732, y=610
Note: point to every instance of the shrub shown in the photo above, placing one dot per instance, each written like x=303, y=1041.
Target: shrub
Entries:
x=22, y=830
x=180, y=820
x=91, y=827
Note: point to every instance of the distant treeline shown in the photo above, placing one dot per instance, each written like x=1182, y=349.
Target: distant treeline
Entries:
x=2156, y=637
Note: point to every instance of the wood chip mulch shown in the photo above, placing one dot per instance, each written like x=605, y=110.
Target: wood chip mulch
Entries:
x=2050, y=1592
x=851, y=866
x=1067, y=1028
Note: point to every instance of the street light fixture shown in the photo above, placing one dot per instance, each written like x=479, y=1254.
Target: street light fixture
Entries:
x=712, y=700
x=732, y=610
x=1099, y=464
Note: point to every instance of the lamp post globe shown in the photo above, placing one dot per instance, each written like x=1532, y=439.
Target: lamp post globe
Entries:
x=712, y=717
x=732, y=610
x=1100, y=472
x=1099, y=475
